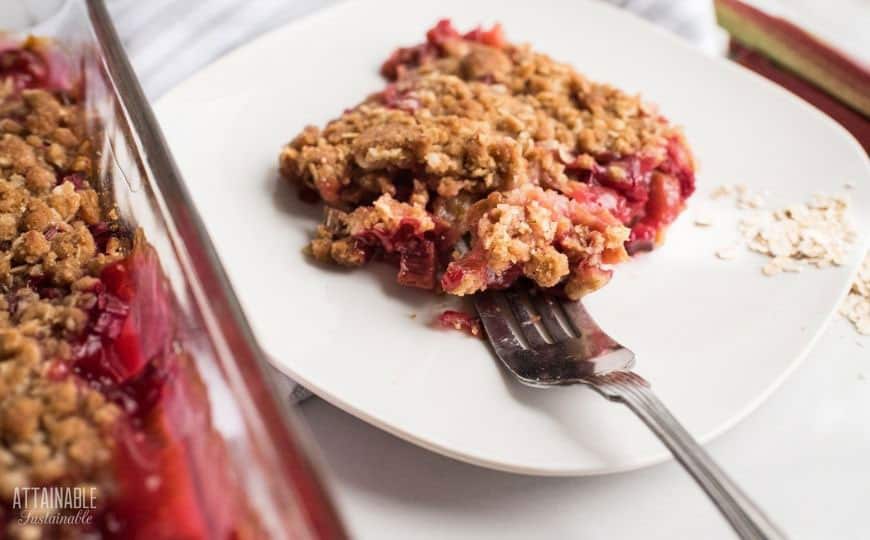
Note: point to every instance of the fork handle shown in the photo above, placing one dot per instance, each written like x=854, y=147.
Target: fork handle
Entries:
x=748, y=521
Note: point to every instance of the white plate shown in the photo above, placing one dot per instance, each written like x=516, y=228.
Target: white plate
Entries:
x=714, y=337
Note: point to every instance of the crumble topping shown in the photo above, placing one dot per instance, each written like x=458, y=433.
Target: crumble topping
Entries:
x=96, y=393
x=475, y=138
x=395, y=229
x=541, y=235
x=54, y=240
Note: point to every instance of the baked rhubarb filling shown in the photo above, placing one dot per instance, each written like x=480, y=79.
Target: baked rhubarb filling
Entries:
x=482, y=162
x=96, y=391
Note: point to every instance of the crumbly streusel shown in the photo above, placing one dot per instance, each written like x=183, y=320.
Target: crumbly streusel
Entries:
x=469, y=117
x=54, y=239
x=518, y=229
x=97, y=393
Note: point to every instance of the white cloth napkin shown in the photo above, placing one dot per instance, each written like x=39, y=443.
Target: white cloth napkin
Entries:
x=168, y=40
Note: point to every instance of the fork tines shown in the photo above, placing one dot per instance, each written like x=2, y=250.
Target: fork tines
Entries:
x=546, y=340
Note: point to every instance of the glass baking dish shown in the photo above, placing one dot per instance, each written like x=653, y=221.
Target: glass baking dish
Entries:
x=243, y=468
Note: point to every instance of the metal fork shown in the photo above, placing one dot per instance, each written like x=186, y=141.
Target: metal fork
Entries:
x=548, y=342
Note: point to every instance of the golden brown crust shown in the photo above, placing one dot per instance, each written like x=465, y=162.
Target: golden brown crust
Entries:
x=335, y=240
x=53, y=429
x=473, y=122
x=549, y=238
x=485, y=135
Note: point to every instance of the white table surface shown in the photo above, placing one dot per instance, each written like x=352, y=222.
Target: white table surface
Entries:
x=804, y=455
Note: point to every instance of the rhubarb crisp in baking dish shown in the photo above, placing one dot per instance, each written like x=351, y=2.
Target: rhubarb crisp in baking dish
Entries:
x=482, y=162
x=104, y=419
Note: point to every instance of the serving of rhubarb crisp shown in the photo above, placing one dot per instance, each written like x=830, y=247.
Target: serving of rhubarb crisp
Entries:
x=482, y=162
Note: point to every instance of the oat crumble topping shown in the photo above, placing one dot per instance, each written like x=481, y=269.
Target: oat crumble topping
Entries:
x=549, y=175
x=54, y=241
x=87, y=335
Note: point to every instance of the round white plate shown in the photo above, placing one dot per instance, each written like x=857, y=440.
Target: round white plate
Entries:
x=714, y=337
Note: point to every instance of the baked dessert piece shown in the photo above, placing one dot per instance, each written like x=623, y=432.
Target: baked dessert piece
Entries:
x=95, y=392
x=546, y=175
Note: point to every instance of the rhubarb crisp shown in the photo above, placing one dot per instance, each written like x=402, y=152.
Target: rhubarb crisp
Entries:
x=483, y=162
x=96, y=397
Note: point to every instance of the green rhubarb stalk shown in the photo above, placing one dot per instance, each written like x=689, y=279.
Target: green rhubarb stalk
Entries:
x=797, y=51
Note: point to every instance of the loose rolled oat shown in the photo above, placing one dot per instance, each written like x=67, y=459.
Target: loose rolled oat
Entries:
x=818, y=233
x=856, y=306
x=703, y=220
x=746, y=198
